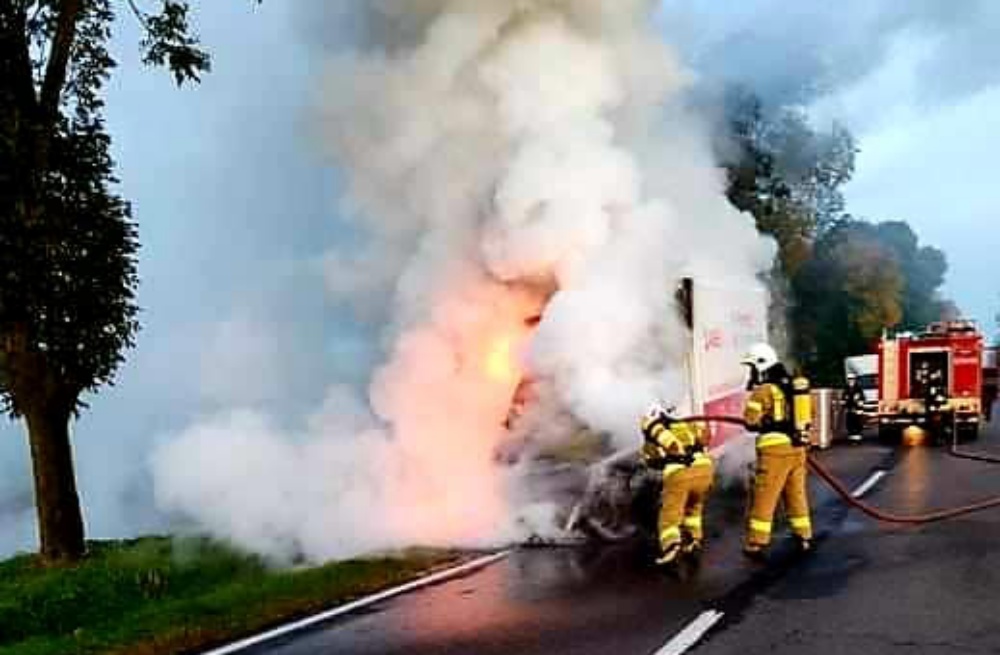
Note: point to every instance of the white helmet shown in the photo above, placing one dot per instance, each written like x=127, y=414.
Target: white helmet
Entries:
x=761, y=356
x=658, y=409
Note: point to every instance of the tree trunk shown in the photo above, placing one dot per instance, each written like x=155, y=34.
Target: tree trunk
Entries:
x=60, y=522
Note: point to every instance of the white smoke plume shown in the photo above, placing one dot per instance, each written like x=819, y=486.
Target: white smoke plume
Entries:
x=505, y=159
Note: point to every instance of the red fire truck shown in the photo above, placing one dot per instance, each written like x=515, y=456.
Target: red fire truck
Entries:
x=932, y=379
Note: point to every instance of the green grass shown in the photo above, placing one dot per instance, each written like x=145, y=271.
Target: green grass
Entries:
x=158, y=595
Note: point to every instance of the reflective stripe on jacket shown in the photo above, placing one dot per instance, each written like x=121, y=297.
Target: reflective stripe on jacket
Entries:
x=674, y=446
x=766, y=412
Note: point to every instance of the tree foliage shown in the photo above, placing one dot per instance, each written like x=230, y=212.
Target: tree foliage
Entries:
x=842, y=281
x=862, y=279
x=848, y=291
x=67, y=240
x=923, y=268
x=67, y=245
x=170, y=42
x=784, y=173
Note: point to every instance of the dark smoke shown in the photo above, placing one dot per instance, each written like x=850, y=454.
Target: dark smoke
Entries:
x=795, y=53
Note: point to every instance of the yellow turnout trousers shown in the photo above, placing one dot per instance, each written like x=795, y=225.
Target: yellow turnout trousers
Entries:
x=781, y=473
x=685, y=490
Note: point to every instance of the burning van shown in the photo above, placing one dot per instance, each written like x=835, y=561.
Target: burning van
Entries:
x=612, y=494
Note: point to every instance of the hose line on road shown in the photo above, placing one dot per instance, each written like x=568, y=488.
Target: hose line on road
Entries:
x=848, y=497
x=954, y=451
x=975, y=456
x=911, y=519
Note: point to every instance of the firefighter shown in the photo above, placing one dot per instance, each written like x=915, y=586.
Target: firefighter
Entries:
x=854, y=407
x=935, y=392
x=778, y=411
x=922, y=375
x=990, y=393
x=935, y=402
x=677, y=449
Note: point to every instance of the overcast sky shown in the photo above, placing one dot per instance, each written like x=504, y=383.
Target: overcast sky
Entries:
x=235, y=208
x=916, y=81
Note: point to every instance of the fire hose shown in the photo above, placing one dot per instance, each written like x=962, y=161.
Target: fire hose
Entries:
x=848, y=497
x=972, y=455
x=975, y=456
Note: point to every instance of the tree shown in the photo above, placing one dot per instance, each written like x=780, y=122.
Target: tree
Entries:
x=845, y=295
x=784, y=173
x=67, y=242
x=924, y=270
x=838, y=281
x=860, y=279
x=788, y=177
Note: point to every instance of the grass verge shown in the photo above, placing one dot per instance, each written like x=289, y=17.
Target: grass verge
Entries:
x=155, y=596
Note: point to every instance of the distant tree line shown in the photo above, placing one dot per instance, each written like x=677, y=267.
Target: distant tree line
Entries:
x=838, y=281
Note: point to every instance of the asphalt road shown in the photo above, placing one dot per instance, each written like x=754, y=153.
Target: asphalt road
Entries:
x=610, y=600
x=878, y=589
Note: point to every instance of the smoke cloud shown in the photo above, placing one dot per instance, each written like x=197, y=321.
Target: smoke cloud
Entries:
x=503, y=160
x=794, y=54
x=250, y=198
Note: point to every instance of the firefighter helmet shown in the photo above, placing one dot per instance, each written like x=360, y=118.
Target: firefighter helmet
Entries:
x=658, y=409
x=761, y=357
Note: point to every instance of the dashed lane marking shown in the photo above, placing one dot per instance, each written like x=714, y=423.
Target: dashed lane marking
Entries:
x=691, y=634
x=696, y=630
x=868, y=484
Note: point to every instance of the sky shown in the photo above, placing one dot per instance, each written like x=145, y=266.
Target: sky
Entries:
x=916, y=82
x=236, y=208
x=234, y=215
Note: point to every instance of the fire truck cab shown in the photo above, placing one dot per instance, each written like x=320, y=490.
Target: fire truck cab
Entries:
x=933, y=380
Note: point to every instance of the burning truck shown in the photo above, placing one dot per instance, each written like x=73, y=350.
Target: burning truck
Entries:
x=606, y=493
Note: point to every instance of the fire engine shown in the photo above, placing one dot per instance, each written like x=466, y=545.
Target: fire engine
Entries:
x=932, y=379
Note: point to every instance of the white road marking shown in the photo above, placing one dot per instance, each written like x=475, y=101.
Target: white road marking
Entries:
x=691, y=634
x=289, y=628
x=694, y=631
x=867, y=485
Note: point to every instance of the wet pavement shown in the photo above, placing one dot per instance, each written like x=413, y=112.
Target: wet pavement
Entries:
x=876, y=588
x=590, y=599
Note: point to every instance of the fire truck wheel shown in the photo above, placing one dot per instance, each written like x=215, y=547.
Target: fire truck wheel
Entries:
x=967, y=433
x=890, y=434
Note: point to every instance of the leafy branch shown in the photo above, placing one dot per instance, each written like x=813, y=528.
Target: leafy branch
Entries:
x=170, y=41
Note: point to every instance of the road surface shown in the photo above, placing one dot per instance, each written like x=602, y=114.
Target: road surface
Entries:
x=868, y=588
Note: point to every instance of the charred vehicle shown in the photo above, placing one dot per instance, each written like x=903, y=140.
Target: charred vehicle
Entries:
x=609, y=494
